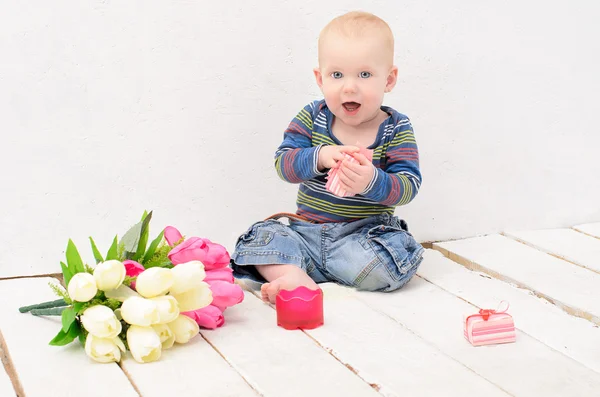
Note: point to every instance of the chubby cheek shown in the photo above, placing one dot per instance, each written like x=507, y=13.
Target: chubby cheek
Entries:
x=373, y=94
x=332, y=96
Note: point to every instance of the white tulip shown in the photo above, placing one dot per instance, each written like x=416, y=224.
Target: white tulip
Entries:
x=153, y=282
x=167, y=338
x=101, y=321
x=82, y=287
x=144, y=343
x=121, y=293
x=168, y=308
x=184, y=328
x=104, y=350
x=196, y=298
x=109, y=275
x=187, y=276
x=139, y=311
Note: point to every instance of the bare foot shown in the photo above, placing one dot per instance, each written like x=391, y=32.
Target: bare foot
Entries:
x=293, y=278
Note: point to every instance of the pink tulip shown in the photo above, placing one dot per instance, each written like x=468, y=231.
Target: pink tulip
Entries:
x=133, y=269
x=172, y=235
x=216, y=257
x=192, y=249
x=225, y=294
x=222, y=274
x=213, y=256
x=209, y=317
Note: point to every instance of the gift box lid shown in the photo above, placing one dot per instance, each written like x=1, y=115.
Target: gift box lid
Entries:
x=487, y=315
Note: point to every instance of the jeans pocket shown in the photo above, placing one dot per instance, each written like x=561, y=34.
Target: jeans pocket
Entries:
x=257, y=236
x=396, y=248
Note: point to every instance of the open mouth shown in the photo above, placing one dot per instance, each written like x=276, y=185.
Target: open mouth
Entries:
x=351, y=107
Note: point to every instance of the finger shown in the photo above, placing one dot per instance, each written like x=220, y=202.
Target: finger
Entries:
x=361, y=158
x=339, y=157
x=349, y=149
x=344, y=178
x=352, y=166
x=350, y=170
x=345, y=187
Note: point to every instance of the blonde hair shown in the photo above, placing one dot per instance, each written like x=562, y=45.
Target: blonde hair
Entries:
x=355, y=24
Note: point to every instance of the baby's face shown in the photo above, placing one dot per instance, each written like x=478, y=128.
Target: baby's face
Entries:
x=354, y=74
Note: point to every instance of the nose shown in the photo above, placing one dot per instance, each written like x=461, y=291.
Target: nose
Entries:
x=349, y=86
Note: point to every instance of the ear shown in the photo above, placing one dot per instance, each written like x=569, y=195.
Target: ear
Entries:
x=318, y=77
x=391, y=79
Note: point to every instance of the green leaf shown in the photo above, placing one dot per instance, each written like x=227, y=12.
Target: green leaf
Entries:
x=132, y=238
x=82, y=338
x=112, y=251
x=144, y=215
x=77, y=306
x=74, y=259
x=153, y=246
x=141, y=248
x=68, y=317
x=97, y=254
x=64, y=338
x=59, y=339
x=67, y=275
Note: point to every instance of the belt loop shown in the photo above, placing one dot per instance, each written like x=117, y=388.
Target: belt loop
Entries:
x=289, y=216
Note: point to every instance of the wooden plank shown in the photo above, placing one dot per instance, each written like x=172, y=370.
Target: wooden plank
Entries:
x=277, y=362
x=572, y=336
x=571, y=287
x=45, y=370
x=568, y=244
x=6, y=387
x=191, y=368
x=351, y=325
x=592, y=229
x=524, y=368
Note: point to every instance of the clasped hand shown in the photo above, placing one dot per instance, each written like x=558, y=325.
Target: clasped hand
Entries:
x=353, y=177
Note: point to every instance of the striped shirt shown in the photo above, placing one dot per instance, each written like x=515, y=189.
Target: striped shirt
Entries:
x=396, y=180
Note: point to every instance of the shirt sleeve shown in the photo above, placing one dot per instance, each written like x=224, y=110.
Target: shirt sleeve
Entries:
x=398, y=181
x=296, y=158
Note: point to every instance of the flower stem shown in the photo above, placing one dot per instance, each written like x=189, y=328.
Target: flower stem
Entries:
x=52, y=311
x=43, y=305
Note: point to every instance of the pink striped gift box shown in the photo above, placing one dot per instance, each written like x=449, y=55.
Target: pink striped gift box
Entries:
x=333, y=181
x=489, y=327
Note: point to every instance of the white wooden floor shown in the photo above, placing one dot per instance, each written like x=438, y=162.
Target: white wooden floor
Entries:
x=408, y=343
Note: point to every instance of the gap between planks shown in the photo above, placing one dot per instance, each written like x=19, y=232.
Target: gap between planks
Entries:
x=542, y=249
x=471, y=265
x=374, y=386
x=252, y=386
x=129, y=378
x=582, y=232
x=479, y=307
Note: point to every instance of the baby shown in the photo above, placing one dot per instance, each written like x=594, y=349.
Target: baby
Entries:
x=352, y=239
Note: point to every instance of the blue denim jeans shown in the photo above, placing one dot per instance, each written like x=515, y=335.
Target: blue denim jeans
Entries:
x=374, y=254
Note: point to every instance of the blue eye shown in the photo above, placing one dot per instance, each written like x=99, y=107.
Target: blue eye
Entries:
x=337, y=75
x=365, y=75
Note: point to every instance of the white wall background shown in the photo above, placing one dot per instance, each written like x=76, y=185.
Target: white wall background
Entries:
x=108, y=108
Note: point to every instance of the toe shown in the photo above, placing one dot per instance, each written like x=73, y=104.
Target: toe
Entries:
x=272, y=290
x=263, y=292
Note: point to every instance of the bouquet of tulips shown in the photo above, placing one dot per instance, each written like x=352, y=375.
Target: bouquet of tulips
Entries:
x=141, y=298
